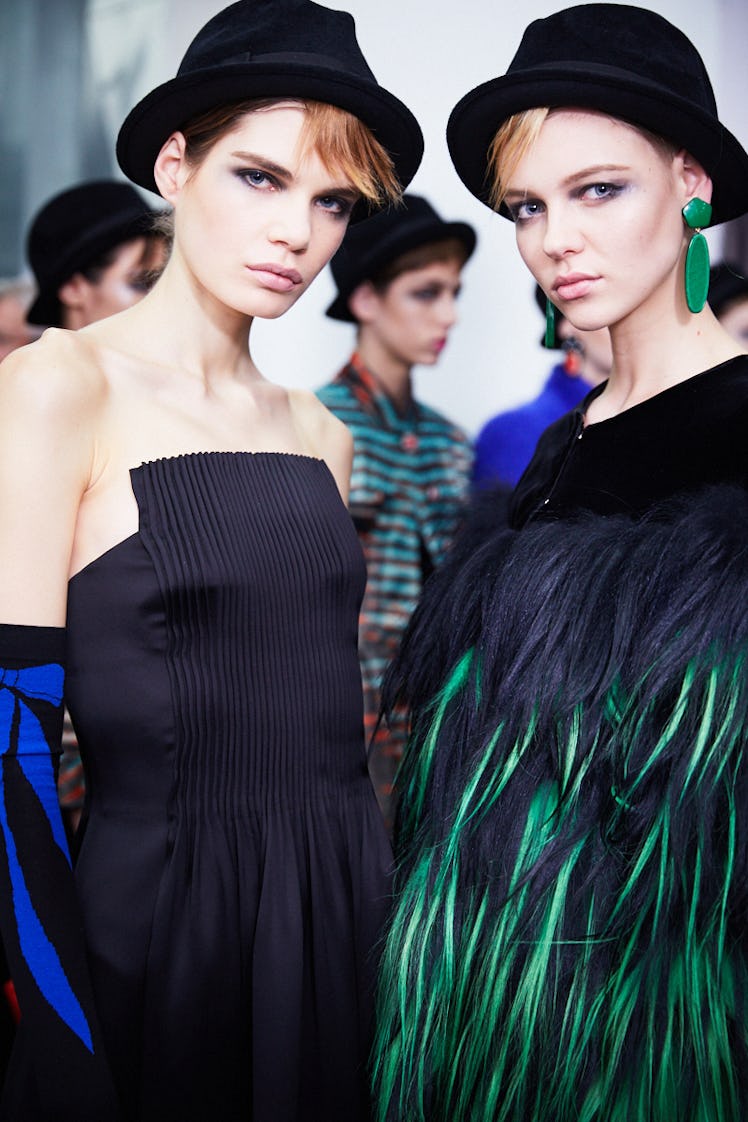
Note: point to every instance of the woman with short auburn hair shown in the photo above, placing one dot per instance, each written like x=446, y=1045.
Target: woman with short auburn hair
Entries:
x=175, y=536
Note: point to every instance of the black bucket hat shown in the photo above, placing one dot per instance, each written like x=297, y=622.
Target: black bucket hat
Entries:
x=270, y=48
x=75, y=228
x=625, y=61
x=372, y=244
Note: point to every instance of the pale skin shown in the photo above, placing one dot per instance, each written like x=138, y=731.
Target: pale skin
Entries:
x=172, y=375
x=595, y=199
x=406, y=324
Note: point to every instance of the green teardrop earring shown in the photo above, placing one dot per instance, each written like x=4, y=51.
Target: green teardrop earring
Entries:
x=697, y=214
x=550, y=325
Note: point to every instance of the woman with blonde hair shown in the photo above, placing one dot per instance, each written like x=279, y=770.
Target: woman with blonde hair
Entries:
x=175, y=534
x=569, y=941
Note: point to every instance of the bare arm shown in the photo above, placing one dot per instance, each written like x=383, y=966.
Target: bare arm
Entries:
x=47, y=409
x=46, y=450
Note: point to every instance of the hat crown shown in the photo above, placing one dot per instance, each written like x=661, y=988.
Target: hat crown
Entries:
x=371, y=245
x=252, y=29
x=69, y=217
x=618, y=37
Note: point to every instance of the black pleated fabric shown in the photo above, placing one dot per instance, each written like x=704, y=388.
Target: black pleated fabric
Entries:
x=234, y=874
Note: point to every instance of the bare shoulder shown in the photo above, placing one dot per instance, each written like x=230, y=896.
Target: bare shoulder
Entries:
x=319, y=426
x=58, y=374
x=324, y=435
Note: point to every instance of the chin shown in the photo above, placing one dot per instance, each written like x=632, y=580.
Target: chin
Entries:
x=269, y=306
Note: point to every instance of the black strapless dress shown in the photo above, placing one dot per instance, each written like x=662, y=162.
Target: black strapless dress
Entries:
x=234, y=871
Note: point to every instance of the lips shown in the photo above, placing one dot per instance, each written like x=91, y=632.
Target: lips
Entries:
x=276, y=277
x=573, y=286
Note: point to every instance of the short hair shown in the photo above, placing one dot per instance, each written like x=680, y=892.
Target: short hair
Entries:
x=516, y=135
x=513, y=140
x=343, y=142
x=448, y=249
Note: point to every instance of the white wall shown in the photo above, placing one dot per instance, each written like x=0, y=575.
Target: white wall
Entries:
x=429, y=53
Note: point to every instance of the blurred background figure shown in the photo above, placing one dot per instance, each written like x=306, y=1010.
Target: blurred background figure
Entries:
x=16, y=295
x=93, y=251
x=728, y=299
x=398, y=276
x=505, y=444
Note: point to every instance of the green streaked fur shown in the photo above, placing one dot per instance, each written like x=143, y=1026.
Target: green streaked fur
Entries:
x=586, y=972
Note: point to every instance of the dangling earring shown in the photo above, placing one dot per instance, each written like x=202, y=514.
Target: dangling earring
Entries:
x=573, y=353
x=697, y=214
x=550, y=324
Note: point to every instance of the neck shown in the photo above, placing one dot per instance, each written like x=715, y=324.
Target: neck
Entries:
x=183, y=327
x=72, y=319
x=658, y=346
x=391, y=372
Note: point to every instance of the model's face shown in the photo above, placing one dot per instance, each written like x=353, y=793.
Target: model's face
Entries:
x=120, y=285
x=412, y=318
x=735, y=321
x=257, y=220
x=598, y=218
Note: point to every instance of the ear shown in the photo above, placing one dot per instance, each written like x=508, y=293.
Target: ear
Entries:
x=693, y=178
x=364, y=302
x=171, y=169
x=72, y=294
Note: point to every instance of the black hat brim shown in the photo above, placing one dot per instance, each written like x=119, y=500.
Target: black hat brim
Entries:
x=98, y=240
x=476, y=118
x=172, y=105
x=395, y=244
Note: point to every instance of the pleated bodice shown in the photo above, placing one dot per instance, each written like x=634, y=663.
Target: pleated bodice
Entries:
x=234, y=871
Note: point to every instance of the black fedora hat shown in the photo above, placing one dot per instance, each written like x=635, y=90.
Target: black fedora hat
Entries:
x=75, y=228
x=270, y=48
x=726, y=283
x=622, y=60
x=369, y=246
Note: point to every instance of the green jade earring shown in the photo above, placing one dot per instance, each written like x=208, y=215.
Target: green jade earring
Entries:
x=550, y=324
x=697, y=214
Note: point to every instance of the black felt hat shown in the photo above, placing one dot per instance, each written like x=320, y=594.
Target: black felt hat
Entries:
x=727, y=282
x=270, y=48
x=625, y=61
x=75, y=228
x=369, y=246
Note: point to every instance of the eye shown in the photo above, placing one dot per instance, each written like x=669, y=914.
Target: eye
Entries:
x=336, y=205
x=595, y=191
x=524, y=211
x=143, y=282
x=259, y=180
x=426, y=294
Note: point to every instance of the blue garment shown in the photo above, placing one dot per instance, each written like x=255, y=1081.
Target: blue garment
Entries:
x=505, y=444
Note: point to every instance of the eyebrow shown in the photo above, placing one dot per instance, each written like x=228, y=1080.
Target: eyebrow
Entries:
x=583, y=173
x=265, y=164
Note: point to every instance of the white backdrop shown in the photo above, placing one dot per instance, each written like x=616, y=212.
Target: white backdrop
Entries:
x=429, y=53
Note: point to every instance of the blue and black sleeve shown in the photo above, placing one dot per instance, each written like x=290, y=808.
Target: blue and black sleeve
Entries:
x=63, y=1067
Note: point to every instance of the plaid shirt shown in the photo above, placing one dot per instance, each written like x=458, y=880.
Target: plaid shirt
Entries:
x=410, y=478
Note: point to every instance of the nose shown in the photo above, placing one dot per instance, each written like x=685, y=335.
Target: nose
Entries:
x=291, y=225
x=561, y=235
x=447, y=310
